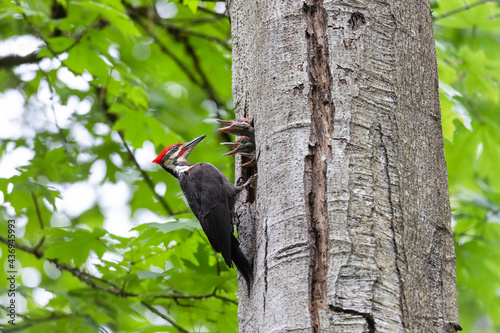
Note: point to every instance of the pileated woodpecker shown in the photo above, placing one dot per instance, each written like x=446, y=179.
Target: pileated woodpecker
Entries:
x=240, y=126
x=211, y=197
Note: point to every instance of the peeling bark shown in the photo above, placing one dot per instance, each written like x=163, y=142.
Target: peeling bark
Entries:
x=316, y=161
x=350, y=227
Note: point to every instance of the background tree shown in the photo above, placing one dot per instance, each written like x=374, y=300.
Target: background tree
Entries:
x=101, y=85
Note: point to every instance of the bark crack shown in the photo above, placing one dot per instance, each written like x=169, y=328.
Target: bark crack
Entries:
x=370, y=321
x=402, y=299
x=266, y=240
x=316, y=161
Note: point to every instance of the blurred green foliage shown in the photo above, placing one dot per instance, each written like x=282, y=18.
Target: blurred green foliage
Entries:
x=159, y=73
x=467, y=37
x=155, y=72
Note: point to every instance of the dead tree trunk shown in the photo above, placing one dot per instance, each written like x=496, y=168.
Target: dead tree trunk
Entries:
x=350, y=228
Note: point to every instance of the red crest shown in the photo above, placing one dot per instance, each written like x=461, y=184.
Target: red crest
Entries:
x=158, y=158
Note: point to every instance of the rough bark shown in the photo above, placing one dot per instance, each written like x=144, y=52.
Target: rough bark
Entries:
x=350, y=227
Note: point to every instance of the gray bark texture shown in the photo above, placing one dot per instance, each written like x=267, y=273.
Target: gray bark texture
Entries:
x=349, y=225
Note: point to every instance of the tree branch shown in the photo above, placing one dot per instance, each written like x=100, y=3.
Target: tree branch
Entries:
x=104, y=284
x=183, y=31
x=214, y=295
x=146, y=177
x=40, y=221
x=10, y=61
x=197, y=65
x=461, y=9
x=30, y=322
x=159, y=314
x=195, y=20
x=169, y=53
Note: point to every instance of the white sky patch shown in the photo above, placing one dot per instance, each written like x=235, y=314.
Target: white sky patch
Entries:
x=117, y=221
x=91, y=263
x=26, y=72
x=166, y=9
x=22, y=45
x=115, y=137
x=76, y=198
x=42, y=296
x=48, y=64
x=72, y=81
x=101, y=129
x=155, y=319
x=82, y=136
x=220, y=7
x=161, y=188
x=21, y=222
x=59, y=221
x=56, y=112
x=114, y=195
x=145, y=156
x=13, y=159
x=113, y=51
x=84, y=106
x=85, y=158
x=31, y=277
x=143, y=215
x=116, y=159
x=10, y=126
x=97, y=172
x=112, y=256
x=21, y=303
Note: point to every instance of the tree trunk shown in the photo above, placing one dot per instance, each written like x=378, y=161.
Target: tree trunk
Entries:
x=350, y=227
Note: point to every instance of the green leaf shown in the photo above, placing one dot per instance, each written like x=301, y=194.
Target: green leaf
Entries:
x=116, y=15
x=169, y=226
x=191, y=4
x=78, y=247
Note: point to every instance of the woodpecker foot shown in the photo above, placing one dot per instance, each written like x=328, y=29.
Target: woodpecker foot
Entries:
x=251, y=181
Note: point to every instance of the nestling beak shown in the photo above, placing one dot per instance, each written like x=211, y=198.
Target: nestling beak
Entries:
x=242, y=145
x=237, y=126
x=187, y=148
x=225, y=122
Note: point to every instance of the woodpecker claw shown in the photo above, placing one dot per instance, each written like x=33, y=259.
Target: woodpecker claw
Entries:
x=251, y=181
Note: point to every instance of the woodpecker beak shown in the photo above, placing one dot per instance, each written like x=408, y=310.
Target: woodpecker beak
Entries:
x=187, y=148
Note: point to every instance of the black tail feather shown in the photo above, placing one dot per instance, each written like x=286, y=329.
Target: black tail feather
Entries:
x=241, y=263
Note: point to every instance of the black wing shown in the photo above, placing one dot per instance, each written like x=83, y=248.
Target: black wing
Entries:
x=206, y=190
